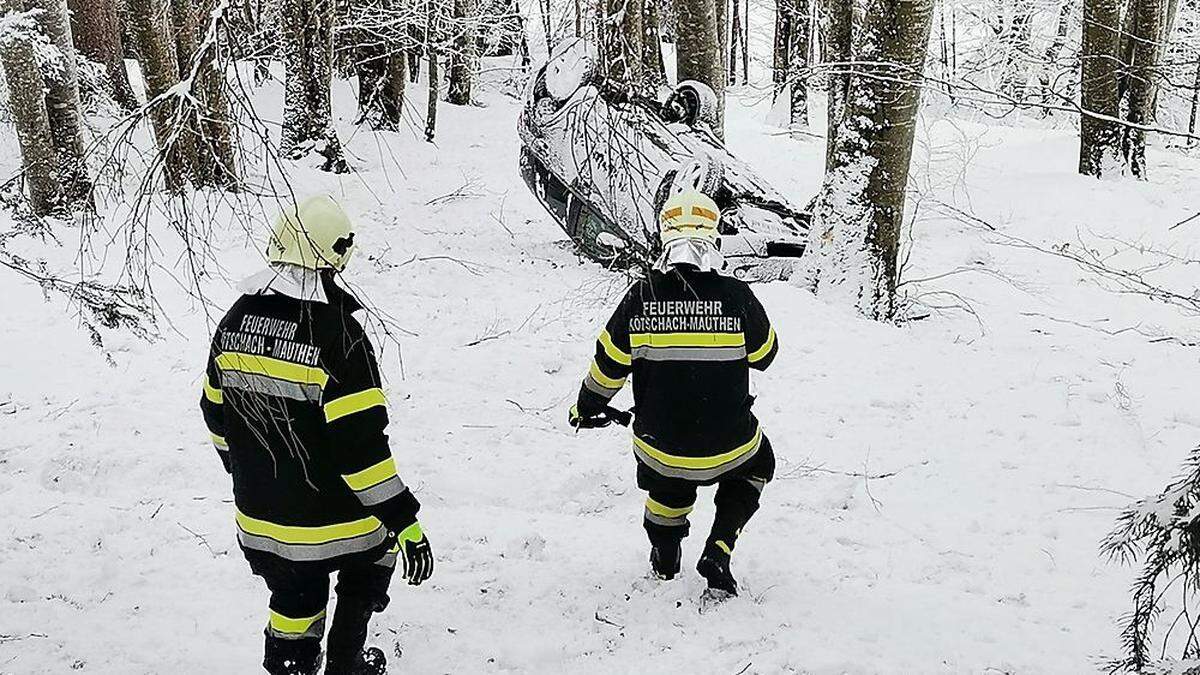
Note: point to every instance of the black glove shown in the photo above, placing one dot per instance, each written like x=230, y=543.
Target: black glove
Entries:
x=599, y=419
x=418, y=557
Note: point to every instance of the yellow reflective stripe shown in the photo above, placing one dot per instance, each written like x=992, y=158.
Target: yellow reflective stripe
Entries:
x=604, y=380
x=665, y=511
x=265, y=365
x=352, y=403
x=687, y=340
x=761, y=353
x=371, y=476
x=294, y=534
x=211, y=393
x=613, y=351
x=698, y=462
x=285, y=624
x=724, y=547
x=219, y=441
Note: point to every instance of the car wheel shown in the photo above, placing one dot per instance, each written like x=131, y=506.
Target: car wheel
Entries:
x=703, y=174
x=693, y=102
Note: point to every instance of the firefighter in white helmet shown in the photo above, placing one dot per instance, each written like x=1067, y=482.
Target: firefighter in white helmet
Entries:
x=293, y=400
x=689, y=336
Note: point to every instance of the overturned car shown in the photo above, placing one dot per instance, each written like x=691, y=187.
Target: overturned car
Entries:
x=602, y=163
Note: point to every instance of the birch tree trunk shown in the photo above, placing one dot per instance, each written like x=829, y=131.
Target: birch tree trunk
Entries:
x=39, y=160
x=1099, y=141
x=463, y=60
x=160, y=71
x=307, y=44
x=698, y=49
x=1149, y=27
x=62, y=103
x=96, y=29
x=854, y=240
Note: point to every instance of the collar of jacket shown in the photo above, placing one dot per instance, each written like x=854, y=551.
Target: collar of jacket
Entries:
x=302, y=284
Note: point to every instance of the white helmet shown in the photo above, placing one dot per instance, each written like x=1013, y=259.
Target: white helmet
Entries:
x=689, y=214
x=315, y=235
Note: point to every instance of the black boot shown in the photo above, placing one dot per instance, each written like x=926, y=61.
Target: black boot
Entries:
x=664, y=559
x=292, y=657
x=370, y=661
x=714, y=567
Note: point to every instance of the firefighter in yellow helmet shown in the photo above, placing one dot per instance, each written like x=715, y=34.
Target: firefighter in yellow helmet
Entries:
x=688, y=336
x=293, y=400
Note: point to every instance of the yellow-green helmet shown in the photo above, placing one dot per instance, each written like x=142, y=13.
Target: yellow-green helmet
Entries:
x=689, y=215
x=315, y=235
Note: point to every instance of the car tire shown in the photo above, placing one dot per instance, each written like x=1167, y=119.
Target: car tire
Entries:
x=704, y=174
x=696, y=102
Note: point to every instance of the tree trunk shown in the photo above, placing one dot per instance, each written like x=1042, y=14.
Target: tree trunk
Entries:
x=307, y=43
x=1149, y=26
x=746, y=43
x=654, y=74
x=779, y=51
x=698, y=49
x=463, y=60
x=735, y=38
x=1015, y=75
x=431, y=35
x=836, y=29
x=1045, y=80
x=215, y=123
x=797, y=69
x=62, y=103
x=160, y=71
x=855, y=236
x=23, y=74
x=1099, y=138
x=96, y=29
x=1195, y=102
x=621, y=46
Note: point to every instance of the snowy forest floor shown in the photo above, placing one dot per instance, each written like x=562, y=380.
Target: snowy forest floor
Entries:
x=941, y=490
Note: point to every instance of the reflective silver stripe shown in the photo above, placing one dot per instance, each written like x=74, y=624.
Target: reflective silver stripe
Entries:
x=316, y=630
x=307, y=552
x=262, y=384
x=221, y=448
x=389, y=559
x=758, y=483
x=599, y=389
x=651, y=353
x=381, y=492
x=666, y=521
x=695, y=474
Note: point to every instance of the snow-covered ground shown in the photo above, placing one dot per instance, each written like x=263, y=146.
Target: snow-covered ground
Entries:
x=941, y=491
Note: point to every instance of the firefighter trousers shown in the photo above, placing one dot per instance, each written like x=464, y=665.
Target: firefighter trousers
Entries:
x=671, y=500
x=299, y=596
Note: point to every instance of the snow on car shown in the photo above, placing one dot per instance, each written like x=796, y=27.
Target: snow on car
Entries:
x=601, y=162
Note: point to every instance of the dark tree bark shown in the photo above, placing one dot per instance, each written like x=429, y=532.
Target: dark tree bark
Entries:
x=699, y=55
x=62, y=103
x=431, y=47
x=654, y=73
x=214, y=124
x=463, y=60
x=780, y=46
x=855, y=236
x=746, y=43
x=96, y=29
x=307, y=45
x=735, y=38
x=1099, y=136
x=160, y=71
x=1015, y=73
x=621, y=47
x=797, y=67
x=23, y=74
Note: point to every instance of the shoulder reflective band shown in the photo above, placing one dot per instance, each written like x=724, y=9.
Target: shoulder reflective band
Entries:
x=613, y=351
x=696, y=468
x=352, y=403
x=276, y=368
x=288, y=628
x=761, y=353
x=212, y=393
x=376, y=484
